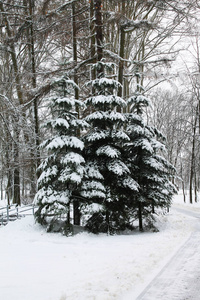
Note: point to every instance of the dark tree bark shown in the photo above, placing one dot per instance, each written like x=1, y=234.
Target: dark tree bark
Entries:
x=13, y=56
x=92, y=39
x=35, y=152
x=140, y=216
x=183, y=184
x=16, y=176
x=74, y=38
x=76, y=211
x=99, y=33
x=192, y=168
x=121, y=54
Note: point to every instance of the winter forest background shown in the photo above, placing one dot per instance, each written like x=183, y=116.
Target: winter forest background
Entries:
x=100, y=108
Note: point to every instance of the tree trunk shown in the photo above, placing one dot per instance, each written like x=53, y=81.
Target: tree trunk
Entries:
x=195, y=188
x=76, y=215
x=1, y=186
x=92, y=39
x=13, y=56
x=16, y=175
x=76, y=211
x=2, y=177
x=183, y=184
x=9, y=188
x=121, y=54
x=108, y=221
x=35, y=152
x=74, y=33
x=68, y=214
x=153, y=209
x=140, y=216
x=190, y=188
x=99, y=33
x=192, y=169
x=183, y=188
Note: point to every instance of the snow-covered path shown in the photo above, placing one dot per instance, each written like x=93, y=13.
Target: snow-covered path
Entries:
x=180, y=278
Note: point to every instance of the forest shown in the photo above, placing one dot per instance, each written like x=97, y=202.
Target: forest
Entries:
x=99, y=109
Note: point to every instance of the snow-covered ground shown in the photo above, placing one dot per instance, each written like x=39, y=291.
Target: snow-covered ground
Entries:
x=45, y=266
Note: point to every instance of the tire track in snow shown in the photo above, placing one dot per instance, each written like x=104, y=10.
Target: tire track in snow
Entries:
x=180, y=278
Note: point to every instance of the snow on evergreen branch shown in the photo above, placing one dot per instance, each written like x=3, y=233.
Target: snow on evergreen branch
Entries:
x=46, y=175
x=131, y=184
x=68, y=141
x=135, y=129
x=108, y=151
x=138, y=99
x=93, y=194
x=118, y=168
x=70, y=102
x=72, y=177
x=59, y=122
x=120, y=135
x=105, y=82
x=93, y=172
x=96, y=135
x=50, y=196
x=144, y=144
x=153, y=163
x=158, y=145
x=92, y=185
x=64, y=80
x=106, y=99
x=165, y=163
x=100, y=115
x=72, y=158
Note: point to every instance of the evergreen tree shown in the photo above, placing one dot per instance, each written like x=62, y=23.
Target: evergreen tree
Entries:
x=148, y=166
x=108, y=179
x=63, y=169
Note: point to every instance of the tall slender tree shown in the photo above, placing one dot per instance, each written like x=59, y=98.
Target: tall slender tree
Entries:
x=110, y=180
x=62, y=170
x=153, y=173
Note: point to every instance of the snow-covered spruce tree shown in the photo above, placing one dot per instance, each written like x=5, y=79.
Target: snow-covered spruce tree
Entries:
x=62, y=171
x=108, y=179
x=148, y=166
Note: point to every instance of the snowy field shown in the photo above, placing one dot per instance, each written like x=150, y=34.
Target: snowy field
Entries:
x=47, y=266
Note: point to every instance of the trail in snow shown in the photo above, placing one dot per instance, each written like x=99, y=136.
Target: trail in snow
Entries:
x=180, y=278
